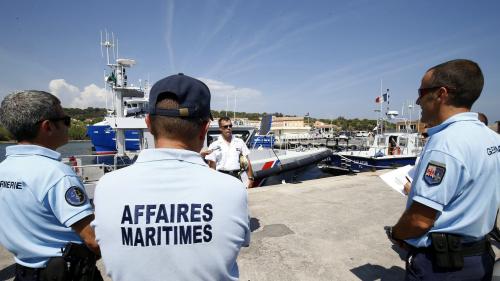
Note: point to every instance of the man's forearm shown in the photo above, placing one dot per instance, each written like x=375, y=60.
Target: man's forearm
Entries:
x=415, y=222
x=249, y=169
x=85, y=231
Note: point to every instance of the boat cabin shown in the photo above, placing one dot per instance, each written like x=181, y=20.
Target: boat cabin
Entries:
x=395, y=144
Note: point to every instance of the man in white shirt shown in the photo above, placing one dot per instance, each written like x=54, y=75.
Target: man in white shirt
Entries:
x=169, y=216
x=226, y=152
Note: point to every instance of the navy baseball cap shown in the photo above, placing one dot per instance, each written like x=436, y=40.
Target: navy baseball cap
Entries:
x=192, y=94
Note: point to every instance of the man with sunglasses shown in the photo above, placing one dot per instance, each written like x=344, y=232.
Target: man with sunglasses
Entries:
x=42, y=201
x=455, y=193
x=226, y=152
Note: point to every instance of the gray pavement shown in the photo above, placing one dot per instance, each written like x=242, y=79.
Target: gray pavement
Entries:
x=325, y=229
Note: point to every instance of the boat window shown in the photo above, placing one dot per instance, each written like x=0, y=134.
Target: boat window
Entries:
x=380, y=141
x=210, y=139
x=403, y=141
x=393, y=141
x=241, y=134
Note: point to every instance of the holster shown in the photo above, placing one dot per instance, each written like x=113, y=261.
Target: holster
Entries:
x=56, y=270
x=447, y=249
x=81, y=260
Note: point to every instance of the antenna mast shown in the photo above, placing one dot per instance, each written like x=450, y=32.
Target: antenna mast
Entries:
x=113, y=46
x=106, y=44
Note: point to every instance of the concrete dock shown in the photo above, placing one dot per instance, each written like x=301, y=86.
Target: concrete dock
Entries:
x=325, y=229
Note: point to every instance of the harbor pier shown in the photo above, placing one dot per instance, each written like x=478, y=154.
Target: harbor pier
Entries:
x=324, y=229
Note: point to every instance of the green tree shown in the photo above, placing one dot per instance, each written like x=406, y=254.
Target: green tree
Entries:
x=78, y=131
x=4, y=134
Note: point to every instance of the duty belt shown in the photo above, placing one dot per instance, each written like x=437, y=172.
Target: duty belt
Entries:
x=468, y=249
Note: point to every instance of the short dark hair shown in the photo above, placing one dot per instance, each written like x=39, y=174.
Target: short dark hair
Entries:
x=224, y=118
x=462, y=77
x=21, y=112
x=179, y=128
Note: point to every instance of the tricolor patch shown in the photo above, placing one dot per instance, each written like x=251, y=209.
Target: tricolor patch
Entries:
x=75, y=196
x=434, y=173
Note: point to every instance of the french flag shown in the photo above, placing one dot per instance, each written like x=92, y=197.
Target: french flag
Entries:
x=381, y=99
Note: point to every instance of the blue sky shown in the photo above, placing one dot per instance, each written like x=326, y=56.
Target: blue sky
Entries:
x=322, y=57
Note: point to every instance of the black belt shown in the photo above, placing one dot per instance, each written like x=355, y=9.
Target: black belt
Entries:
x=233, y=173
x=468, y=249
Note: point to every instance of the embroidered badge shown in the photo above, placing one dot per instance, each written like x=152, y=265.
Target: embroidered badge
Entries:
x=75, y=196
x=434, y=173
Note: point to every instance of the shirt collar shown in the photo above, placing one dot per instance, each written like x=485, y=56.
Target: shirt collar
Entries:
x=159, y=154
x=31, y=149
x=465, y=116
x=222, y=139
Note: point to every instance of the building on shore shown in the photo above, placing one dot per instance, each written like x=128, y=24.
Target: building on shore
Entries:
x=324, y=128
x=414, y=126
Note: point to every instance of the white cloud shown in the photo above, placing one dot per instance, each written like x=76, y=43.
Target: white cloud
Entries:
x=247, y=99
x=72, y=96
x=221, y=90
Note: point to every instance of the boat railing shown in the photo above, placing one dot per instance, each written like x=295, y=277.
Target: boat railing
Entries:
x=348, y=160
x=90, y=167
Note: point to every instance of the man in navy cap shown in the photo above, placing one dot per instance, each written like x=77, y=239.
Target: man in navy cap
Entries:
x=169, y=216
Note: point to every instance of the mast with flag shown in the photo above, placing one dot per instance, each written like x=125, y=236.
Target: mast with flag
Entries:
x=383, y=97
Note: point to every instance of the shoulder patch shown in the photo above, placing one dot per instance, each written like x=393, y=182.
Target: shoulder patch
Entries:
x=434, y=173
x=75, y=196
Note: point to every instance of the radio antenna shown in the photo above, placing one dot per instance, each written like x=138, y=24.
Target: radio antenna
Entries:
x=113, y=45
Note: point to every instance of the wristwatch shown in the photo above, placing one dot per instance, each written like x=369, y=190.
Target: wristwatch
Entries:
x=251, y=178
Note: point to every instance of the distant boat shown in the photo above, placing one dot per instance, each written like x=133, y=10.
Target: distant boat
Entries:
x=388, y=150
x=103, y=136
x=274, y=166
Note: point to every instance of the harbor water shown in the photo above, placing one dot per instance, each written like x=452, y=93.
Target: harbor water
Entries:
x=69, y=149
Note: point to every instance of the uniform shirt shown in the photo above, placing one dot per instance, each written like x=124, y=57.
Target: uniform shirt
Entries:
x=458, y=176
x=40, y=198
x=169, y=216
x=227, y=155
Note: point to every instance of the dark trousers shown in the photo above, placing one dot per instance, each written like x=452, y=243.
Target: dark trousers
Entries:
x=40, y=274
x=419, y=266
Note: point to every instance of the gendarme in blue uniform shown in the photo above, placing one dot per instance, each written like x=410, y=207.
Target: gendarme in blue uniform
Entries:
x=458, y=175
x=40, y=198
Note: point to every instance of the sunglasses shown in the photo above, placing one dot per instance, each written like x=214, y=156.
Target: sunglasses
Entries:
x=424, y=91
x=227, y=126
x=66, y=119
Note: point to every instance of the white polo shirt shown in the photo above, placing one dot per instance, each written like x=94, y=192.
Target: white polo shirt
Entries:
x=227, y=155
x=169, y=216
